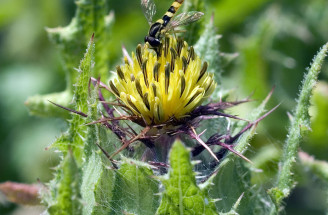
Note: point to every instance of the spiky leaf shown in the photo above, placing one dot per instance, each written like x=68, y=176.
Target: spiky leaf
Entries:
x=299, y=125
x=208, y=48
x=91, y=18
x=233, y=178
x=135, y=191
x=182, y=195
x=68, y=200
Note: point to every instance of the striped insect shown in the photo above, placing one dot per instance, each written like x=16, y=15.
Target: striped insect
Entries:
x=168, y=22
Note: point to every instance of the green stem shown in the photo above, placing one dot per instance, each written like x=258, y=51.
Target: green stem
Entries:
x=300, y=123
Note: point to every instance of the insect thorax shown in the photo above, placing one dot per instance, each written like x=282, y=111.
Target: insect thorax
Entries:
x=155, y=30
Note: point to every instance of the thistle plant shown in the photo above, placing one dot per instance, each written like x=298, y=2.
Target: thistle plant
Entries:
x=162, y=91
x=155, y=136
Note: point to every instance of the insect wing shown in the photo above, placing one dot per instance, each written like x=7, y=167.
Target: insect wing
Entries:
x=149, y=9
x=184, y=19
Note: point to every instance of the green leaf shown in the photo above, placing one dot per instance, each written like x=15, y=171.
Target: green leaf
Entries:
x=265, y=159
x=135, y=190
x=98, y=179
x=75, y=136
x=233, y=177
x=182, y=195
x=68, y=198
x=91, y=18
x=208, y=48
x=39, y=104
x=71, y=144
x=233, y=180
x=300, y=124
x=97, y=185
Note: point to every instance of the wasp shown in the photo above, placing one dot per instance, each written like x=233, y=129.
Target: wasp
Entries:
x=168, y=22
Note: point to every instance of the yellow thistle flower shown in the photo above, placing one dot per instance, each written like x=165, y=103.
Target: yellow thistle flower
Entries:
x=165, y=84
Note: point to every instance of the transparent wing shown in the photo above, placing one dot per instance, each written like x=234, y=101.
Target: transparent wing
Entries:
x=149, y=10
x=184, y=19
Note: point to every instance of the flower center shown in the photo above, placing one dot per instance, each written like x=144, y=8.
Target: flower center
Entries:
x=163, y=85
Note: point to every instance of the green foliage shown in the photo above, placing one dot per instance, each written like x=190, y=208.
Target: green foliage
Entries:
x=97, y=180
x=300, y=124
x=134, y=189
x=131, y=189
x=90, y=18
x=74, y=138
x=87, y=182
x=233, y=178
x=68, y=193
x=65, y=188
x=207, y=47
x=182, y=195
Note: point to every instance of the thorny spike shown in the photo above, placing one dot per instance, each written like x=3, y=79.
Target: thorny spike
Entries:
x=138, y=86
x=167, y=77
x=68, y=109
x=101, y=84
x=144, y=71
x=227, y=139
x=127, y=143
x=159, y=164
x=107, y=155
x=196, y=136
x=113, y=119
x=252, y=124
x=120, y=73
x=116, y=129
x=183, y=85
x=184, y=64
x=155, y=70
x=145, y=100
x=203, y=70
x=114, y=89
x=102, y=99
x=138, y=55
x=230, y=148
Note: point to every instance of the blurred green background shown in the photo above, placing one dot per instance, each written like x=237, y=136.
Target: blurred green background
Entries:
x=275, y=42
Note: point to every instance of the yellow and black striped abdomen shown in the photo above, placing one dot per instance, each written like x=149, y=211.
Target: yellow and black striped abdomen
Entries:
x=170, y=12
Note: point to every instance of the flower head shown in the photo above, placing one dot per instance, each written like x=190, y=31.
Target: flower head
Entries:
x=162, y=90
x=169, y=83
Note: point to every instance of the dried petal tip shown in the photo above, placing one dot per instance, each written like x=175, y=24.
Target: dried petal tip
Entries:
x=164, y=85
